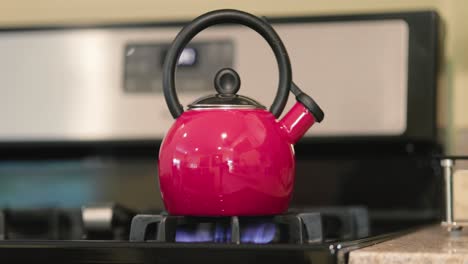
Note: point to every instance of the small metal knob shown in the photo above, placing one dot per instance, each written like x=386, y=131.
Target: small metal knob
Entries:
x=447, y=167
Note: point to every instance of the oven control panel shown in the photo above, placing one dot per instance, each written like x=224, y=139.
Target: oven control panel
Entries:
x=197, y=65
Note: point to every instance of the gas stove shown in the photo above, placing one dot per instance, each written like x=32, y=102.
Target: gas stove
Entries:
x=90, y=135
x=114, y=234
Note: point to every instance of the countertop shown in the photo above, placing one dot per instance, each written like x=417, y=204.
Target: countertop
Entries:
x=432, y=244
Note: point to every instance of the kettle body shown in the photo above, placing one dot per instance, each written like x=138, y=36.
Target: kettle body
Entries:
x=242, y=163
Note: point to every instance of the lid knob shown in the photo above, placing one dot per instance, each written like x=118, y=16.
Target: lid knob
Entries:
x=227, y=81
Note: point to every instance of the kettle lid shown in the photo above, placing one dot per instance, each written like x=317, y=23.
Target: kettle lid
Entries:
x=226, y=101
x=227, y=83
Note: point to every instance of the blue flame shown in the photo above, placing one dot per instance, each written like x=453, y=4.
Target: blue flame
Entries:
x=220, y=234
x=201, y=233
x=258, y=233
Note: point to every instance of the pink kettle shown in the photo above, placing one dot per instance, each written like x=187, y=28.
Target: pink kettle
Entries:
x=226, y=155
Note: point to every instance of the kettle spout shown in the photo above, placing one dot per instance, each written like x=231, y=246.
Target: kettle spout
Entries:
x=301, y=117
x=296, y=122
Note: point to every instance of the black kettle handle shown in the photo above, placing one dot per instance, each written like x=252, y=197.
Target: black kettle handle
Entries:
x=222, y=17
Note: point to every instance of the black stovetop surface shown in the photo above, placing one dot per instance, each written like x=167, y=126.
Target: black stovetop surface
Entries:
x=320, y=235
x=154, y=252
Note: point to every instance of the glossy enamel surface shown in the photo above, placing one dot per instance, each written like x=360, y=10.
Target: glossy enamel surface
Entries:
x=222, y=162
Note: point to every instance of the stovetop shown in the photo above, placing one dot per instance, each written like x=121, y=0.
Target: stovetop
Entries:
x=114, y=234
x=400, y=196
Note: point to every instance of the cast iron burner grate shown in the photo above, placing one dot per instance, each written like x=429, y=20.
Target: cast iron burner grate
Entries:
x=308, y=227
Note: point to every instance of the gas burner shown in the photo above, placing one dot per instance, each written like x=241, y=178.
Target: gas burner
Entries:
x=295, y=227
x=98, y=222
